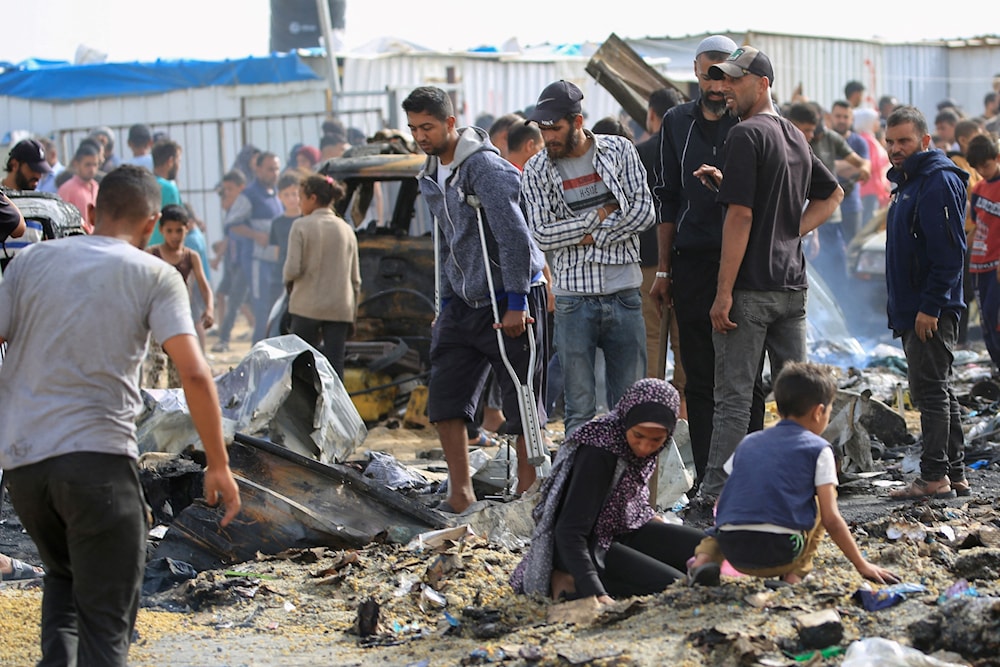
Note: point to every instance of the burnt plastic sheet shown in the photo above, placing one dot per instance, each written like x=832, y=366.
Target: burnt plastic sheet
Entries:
x=291, y=501
x=284, y=390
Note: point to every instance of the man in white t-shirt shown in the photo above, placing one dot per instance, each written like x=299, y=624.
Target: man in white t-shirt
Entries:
x=67, y=418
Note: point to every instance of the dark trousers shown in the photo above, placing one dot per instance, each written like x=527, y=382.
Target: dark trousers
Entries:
x=333, y=335
x=86, y=514
x=929, y=371
x=649, y=559
x=464, y=347
x=695, y=275
x=236, y=295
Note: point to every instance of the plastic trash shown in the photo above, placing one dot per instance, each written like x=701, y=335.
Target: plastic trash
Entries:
x=386, y=469
x=878, y=652
x=874, y=600
x=960, y=588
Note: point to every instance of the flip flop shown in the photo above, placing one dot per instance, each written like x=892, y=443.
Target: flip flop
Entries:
x=704, y=575
x=443, y=506
x=20, y=571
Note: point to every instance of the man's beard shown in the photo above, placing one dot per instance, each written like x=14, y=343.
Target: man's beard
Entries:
x=22, y=182
x=715, y=107
x=569, y=145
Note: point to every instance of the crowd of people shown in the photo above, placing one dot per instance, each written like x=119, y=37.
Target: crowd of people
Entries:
x=739, y=190
x=260, y=198
x=565, y=255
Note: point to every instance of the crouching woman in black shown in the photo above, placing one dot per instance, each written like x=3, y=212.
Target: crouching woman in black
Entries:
x=595, y=533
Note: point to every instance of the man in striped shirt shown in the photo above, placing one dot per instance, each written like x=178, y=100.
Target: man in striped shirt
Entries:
x=586, y=200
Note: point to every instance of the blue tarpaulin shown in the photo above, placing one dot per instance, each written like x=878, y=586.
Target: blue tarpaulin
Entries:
x=62, y=82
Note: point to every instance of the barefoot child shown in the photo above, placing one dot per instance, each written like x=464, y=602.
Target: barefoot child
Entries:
x=782, y=491
x=174, y=227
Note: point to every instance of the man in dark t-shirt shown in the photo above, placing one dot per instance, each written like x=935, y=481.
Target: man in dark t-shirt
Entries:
x=760, y=302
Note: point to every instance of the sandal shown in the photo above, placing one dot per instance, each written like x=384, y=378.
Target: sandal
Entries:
x=704, y=575
x=919, y=489
x=21, y=571
x=961, y=486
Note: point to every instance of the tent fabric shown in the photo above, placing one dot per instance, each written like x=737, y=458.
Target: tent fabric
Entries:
x=63, y=82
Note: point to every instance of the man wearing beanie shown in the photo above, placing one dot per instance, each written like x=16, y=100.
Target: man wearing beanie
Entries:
x=690, y=239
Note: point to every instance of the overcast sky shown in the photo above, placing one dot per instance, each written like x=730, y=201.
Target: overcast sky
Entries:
x=130, y=30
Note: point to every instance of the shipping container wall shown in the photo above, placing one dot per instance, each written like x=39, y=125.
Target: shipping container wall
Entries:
x=821, y=66
x=972, y=68
x=493, y=85
x=917, y=75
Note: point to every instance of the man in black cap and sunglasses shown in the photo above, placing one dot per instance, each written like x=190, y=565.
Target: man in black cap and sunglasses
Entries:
x=760, y=301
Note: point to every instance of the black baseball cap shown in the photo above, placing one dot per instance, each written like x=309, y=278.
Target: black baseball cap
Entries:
x=558, y=100
x=31, y=153
x=744, y=60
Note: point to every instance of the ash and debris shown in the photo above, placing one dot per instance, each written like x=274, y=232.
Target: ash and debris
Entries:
x=447, y=602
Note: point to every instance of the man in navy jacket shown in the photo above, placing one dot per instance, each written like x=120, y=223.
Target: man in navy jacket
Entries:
x=925, y=252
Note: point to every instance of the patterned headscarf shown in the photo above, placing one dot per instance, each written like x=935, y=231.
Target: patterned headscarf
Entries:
x=627, y=505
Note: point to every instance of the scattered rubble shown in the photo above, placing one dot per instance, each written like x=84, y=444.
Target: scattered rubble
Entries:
x=374, y=575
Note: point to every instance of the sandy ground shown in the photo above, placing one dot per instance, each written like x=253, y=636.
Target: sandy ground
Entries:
x=451, y=605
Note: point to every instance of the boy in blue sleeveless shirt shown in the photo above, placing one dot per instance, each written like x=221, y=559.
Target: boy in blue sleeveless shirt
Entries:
x=782, y=490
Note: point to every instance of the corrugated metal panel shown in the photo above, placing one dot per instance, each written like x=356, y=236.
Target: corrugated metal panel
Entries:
x=493, y=84
x=918, y=75
x=971, y=68
x=822, y=66
x=211, y=125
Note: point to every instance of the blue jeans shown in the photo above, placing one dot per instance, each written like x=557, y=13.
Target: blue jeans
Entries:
x=612, y=322
x=774, y=322
x=988, y=295
x=236, y=295
x=265, y=290
x=929, y=372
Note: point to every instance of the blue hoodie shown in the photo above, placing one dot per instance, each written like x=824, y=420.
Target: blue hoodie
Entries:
x=925, y=239
x=516, y=261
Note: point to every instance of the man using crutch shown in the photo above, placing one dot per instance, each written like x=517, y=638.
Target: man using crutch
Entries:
x=473, y=194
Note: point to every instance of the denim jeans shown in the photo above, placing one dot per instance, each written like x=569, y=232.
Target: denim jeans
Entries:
x=988, y=295
x=612, y=322
x=929, y=370
x=265, y=290
x=236, y=296
x=774, y=322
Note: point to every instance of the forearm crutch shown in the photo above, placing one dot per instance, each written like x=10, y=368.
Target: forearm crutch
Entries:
x=526, y=405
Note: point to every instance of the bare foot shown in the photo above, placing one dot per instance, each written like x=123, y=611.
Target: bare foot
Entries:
x=562, y=584
x=791, y=578
x=526, y=476
x=460, y=502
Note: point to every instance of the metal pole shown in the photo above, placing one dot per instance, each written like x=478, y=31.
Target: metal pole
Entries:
x=328, y=43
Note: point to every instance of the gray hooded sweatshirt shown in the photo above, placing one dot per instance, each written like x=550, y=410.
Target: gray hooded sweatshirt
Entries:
x=480, y=175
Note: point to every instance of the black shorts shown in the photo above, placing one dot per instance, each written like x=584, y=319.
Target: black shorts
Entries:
x=464, y=347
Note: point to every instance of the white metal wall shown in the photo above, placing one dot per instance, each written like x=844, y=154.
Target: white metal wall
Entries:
x=488, y=84
x=971, y=69
x=211, y=124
